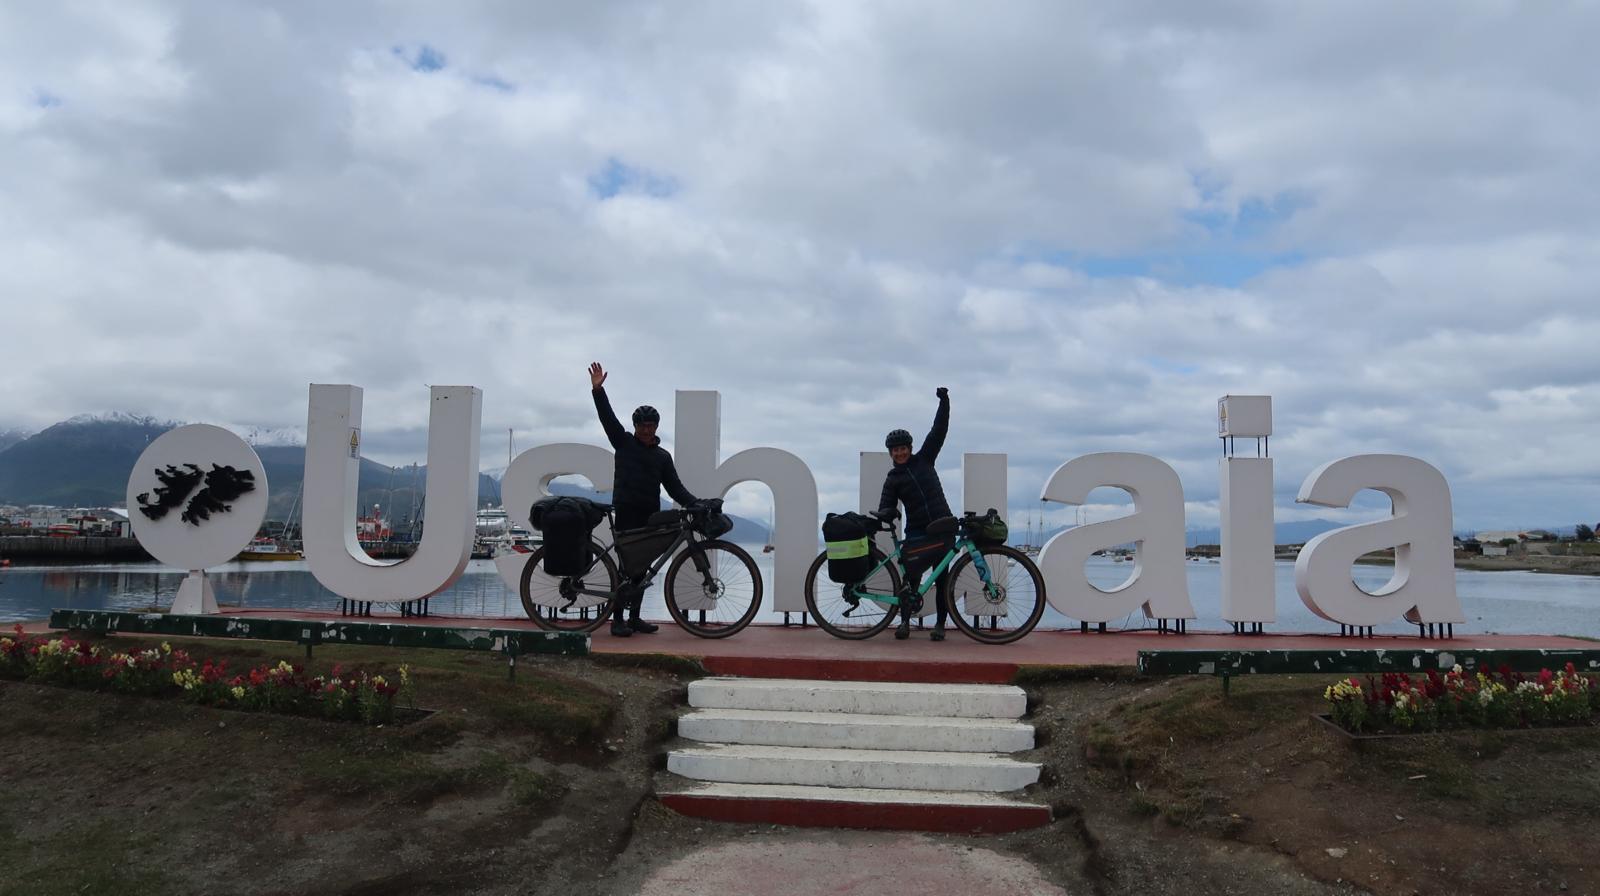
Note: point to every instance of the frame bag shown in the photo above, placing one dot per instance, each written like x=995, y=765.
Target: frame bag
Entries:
x=922, y=552
x=638, y=548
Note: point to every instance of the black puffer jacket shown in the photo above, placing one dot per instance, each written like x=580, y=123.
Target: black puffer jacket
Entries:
x=915, y=483
x=641, y=469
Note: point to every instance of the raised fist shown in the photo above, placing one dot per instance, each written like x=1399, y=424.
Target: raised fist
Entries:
x=942, y=392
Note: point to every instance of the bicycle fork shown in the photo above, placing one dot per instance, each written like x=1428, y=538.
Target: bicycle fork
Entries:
x=703, y=567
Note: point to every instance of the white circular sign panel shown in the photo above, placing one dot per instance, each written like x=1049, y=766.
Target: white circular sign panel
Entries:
x=204, y=523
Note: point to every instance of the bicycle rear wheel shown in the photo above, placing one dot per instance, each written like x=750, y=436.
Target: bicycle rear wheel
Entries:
x=551, y=601
x=1005, y=612
x=718, y=600
x=844, y=614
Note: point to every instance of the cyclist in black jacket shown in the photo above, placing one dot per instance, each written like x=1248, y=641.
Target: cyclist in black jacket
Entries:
x=642, y=468
x=914, y=482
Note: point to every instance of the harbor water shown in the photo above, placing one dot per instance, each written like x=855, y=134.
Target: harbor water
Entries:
x=1494, y=602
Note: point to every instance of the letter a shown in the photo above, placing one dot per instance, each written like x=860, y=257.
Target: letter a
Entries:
x=1424, y=584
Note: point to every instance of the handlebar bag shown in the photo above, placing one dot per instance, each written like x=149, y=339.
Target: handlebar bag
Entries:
x=848, y=537
x=988, y=529
x=715, y=525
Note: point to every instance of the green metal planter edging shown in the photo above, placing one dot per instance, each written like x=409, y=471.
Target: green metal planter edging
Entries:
x=1226, y=664
x=511, y=642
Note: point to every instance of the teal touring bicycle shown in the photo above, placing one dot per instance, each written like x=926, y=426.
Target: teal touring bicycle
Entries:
x=995, y=594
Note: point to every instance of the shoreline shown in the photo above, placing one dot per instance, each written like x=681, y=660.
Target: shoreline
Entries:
x=1540, y=563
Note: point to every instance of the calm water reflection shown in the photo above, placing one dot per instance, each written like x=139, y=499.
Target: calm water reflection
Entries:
x=1509, y=602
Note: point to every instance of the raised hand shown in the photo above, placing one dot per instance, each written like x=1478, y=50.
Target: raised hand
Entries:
x=942, y=392
x=597, y=375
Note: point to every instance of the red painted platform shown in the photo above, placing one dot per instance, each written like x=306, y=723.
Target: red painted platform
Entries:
x=774, y=651
x=868, y=816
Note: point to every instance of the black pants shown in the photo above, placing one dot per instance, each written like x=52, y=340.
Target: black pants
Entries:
x=631, y=594
x=914, y=576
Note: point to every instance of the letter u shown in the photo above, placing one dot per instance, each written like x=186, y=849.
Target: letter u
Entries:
x=333, y=465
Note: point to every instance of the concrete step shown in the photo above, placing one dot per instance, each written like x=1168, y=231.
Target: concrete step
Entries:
x=860, y=731
x=826, y=767
x=853, y=807
x=966, y=701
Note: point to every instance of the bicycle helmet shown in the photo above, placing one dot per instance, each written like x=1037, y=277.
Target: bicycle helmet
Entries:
x=897, y=438
x=645, y=414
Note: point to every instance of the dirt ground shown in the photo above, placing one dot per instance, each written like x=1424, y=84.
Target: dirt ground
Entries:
x=543, y=786
x=1245, y=793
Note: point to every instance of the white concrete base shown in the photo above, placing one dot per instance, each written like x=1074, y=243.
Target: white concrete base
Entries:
x=893, y=769
x=858, y=731
x=965, y=701
x=854, y=754
x=194, y=597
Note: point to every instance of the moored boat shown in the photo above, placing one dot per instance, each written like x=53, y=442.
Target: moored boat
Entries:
x=267, y=549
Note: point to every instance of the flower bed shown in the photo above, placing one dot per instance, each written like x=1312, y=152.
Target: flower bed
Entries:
x=163, y=671
x=1399, y=703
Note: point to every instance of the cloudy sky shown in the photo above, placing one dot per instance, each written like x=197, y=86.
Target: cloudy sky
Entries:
x=1089, y=220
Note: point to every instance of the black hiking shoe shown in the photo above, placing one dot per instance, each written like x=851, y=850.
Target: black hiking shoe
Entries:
x=620, y=629
x=904, y=631
x=937, y=634
x=642, y=627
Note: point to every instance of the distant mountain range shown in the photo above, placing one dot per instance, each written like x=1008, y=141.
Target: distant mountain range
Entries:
x=85, y=462
x=11, y=437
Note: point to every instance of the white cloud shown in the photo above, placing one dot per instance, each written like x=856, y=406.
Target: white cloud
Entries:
x=1089, y=221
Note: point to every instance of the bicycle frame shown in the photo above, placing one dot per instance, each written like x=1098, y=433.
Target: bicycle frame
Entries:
x=963, y=544
x=685, y=537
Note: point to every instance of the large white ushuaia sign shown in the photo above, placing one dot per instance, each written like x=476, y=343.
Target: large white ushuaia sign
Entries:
x=219, y=519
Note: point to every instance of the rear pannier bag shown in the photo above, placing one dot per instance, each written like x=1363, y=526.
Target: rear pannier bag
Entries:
x=566, y=523
x=988, y=529
x=638, y=548
x=848, y=537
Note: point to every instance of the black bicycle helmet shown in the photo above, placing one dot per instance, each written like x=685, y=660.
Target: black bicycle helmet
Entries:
x=897, y=438
x=645, y=414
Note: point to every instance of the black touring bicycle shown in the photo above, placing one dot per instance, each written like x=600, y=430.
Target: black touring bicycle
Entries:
x=712, y=587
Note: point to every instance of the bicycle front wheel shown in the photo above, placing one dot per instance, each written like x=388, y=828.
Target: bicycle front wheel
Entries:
x=1000, y=602
x=553, y=602
x=848, y=611
x=713, y=589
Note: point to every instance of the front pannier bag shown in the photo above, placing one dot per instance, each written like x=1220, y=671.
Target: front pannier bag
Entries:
x=849, y=539
x=567, y=523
